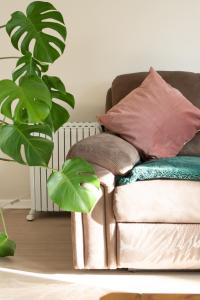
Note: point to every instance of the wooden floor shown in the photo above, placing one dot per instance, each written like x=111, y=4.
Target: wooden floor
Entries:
x=43, y=245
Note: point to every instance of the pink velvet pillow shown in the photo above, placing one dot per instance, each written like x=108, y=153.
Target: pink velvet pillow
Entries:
x=155, y=117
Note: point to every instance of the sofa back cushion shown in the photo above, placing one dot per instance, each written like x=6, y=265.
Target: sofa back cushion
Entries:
x=188, y=83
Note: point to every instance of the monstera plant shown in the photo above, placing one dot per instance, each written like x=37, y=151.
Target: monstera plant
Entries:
x=33, y=106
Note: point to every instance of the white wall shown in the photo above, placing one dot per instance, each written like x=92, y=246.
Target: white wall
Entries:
x=107, y=38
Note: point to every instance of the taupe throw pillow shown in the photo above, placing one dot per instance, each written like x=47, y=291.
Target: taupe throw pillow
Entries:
x=108, y=151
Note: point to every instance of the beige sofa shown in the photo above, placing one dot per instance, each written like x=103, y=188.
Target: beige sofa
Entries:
x=143, y=225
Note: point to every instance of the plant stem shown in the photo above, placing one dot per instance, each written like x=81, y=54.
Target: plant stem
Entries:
x=2, y=26
x=10, y=203
x=5, y=159
x=9, y=57
x=2, y=121
x=55, y=170
x=3, y=222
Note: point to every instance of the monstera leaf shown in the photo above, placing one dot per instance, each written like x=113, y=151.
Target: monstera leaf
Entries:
x=40, y=17
x=58, y=115
x=33, y=99
x=66, y=186
x=57, y=89
x=33, y=139
x=28, y=66
x=7, y=247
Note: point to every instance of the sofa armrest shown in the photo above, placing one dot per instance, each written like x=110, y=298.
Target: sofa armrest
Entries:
x=94, y=234
x=107, y=179
x=108, y=151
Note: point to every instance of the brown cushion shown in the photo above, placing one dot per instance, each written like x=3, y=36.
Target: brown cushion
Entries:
x=108, y=151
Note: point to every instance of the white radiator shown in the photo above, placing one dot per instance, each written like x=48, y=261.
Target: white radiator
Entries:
x=64, y=138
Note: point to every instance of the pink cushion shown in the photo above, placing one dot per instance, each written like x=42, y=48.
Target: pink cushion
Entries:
x=155, y=117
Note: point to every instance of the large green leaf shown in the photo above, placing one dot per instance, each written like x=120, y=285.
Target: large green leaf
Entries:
x=33, y=139
x=7, y=247
x=28, y=66
x=33, y=99
x=40, y=17
x=57, y=89
x=66, y=187
x=58, y=115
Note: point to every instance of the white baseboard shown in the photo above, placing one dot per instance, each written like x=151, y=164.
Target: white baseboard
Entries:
x=21, y=204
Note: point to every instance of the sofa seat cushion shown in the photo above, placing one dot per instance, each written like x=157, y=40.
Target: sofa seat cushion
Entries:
x=158, y=246
x=165, y=201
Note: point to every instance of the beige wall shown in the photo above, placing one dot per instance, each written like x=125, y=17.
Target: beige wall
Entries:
x=106, y=38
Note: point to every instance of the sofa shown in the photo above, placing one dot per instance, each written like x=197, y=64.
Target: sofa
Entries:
x=148, y=225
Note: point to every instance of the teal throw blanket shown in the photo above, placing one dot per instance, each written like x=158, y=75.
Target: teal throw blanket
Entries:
x=179, y=167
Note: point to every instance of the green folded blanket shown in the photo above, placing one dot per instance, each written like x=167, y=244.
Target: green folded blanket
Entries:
x=179, y=168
